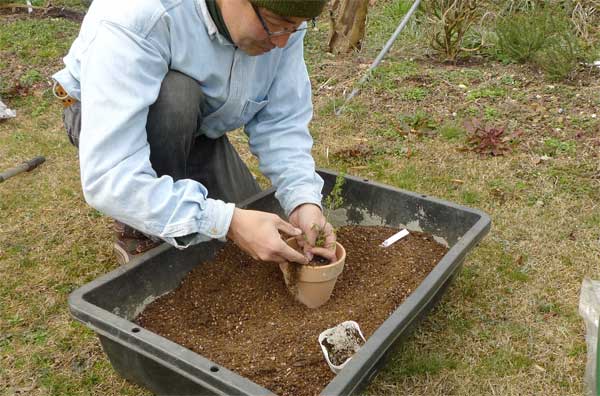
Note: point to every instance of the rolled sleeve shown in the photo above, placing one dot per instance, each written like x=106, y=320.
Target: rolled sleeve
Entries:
x=218, y=215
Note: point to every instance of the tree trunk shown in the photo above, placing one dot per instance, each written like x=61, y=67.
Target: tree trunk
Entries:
x=347, y=18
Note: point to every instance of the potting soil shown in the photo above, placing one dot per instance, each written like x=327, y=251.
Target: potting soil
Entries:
x=237, y=312
x=342, y=344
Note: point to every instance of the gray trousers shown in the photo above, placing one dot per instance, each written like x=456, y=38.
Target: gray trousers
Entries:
x=175, y=147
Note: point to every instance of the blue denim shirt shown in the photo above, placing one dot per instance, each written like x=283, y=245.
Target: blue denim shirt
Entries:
x=115, y=68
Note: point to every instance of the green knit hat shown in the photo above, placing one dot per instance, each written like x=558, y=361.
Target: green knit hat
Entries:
x=293, y=8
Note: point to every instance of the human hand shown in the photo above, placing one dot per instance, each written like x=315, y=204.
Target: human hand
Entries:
x=309, y=218
x=257, y=233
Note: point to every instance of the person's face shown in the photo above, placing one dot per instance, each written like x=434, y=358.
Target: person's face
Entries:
x=256, y=30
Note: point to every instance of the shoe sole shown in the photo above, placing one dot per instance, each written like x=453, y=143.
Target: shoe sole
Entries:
x=122, y=256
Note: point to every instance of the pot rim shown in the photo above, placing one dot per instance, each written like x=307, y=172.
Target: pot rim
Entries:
x=339, y=247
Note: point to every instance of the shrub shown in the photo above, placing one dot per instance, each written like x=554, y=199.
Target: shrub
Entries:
x=559, y=56
x=521, y=35
x=542, y=36
x=450, y=20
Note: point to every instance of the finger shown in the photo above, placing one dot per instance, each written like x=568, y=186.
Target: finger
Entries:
x=329, y=236
x=329, y=254
x=307, y=252
x=289, y=254
x=288, y=228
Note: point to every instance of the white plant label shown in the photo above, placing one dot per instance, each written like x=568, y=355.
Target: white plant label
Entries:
x=395, y=238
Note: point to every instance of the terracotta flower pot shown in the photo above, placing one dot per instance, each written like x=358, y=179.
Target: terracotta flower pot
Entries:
x=312, y=284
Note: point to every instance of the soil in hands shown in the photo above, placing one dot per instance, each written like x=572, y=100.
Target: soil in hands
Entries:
x=341, y=344
x=238, y=313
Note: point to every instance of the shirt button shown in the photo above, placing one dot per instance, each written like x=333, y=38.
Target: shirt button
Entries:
x=213, y=231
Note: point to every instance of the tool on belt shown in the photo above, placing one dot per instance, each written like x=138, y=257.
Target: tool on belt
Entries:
x=61, y=94
x=24, y=167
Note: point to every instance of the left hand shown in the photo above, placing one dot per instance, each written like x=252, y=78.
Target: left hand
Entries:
x=310, y=219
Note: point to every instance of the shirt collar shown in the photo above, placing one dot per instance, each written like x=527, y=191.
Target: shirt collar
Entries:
x=211, y=27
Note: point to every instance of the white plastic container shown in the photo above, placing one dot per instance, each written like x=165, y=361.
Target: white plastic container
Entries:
x=337, y=336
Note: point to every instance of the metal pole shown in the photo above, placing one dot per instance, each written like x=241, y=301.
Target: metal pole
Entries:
x=24, y=167
x=379, y=58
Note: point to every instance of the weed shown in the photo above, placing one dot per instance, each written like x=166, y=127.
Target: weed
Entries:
x=451, y=131
x=415, y=94
x=551, y=308
x=471, y=111
x=389, y=133
x=335, y=199
x=489, y=140
x=421, y=123
x=470, y=197
x=490, y=113
x=515, y=270
x=553, y=147
x=491, y=92
x=30, y=77
x=509, y=80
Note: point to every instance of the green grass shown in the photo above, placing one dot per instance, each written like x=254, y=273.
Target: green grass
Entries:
x=35, y=42
x=451, y=131
x=415, y=94
x=508, y=324
x=503, y=362
x=389, y=75
x=488, y=92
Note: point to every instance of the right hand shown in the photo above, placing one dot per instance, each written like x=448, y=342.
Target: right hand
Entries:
x=257, y=233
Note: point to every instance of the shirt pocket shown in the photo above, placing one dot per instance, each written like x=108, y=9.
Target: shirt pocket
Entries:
x=251, y=108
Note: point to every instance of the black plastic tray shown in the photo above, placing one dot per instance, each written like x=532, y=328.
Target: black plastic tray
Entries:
x=108, y=304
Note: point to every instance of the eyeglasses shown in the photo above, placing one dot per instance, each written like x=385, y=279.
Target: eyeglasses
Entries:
x=281, y=32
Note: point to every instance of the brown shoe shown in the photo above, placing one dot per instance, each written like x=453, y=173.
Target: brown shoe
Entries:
x=130, y=242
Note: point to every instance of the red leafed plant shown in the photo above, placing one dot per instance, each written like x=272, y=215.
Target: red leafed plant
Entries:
x=487, y=139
